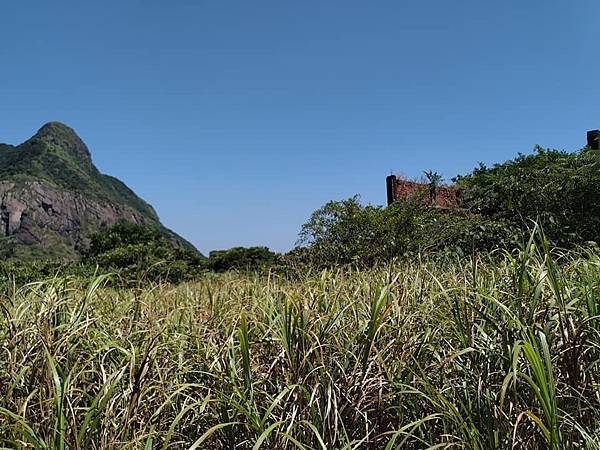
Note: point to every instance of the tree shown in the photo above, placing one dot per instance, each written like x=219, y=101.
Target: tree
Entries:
x=241, y=258
x=345, y=232
x=137, y=251
x=434, y=179
x=559, y=190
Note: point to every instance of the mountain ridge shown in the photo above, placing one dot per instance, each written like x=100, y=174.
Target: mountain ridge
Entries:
x=53, y=197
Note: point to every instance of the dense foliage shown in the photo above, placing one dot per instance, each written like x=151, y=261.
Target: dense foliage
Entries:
x=58, y=156
x=559, y=190
x=137, y=252
x=242, y=258
x=14, y=274
x=346, y=232
x=472, y=353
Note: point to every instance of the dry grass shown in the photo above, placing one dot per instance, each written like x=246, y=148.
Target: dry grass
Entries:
x=477, y=354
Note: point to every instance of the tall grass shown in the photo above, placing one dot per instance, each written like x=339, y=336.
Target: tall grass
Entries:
x=489, y=352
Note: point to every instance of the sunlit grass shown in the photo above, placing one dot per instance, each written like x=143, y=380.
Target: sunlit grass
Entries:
x=478, y=353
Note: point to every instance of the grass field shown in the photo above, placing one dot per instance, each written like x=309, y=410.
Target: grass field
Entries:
x=478, y=353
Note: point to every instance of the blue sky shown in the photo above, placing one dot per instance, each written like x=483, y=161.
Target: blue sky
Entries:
x=237, y=119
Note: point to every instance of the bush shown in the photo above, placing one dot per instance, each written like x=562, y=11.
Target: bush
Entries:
x=347, y=232
x=242, y=258
x=463, y=233
x=136, y=252
x=19, y=273
x=559, y=190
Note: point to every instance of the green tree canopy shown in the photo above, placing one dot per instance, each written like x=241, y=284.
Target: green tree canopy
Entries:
x=559, y=190
x=136, y=251
x=241, y=258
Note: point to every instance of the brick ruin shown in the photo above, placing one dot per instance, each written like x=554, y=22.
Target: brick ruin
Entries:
x=398, y=189
x=446, y=196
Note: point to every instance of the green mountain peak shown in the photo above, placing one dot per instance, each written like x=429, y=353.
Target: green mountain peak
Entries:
x=59, y=135
x=50, y=191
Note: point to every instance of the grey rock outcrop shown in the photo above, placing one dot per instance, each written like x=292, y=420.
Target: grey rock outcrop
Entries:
x=37, y=214
x=53, y=198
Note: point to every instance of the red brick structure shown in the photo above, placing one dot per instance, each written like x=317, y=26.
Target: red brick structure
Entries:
x=399, y=189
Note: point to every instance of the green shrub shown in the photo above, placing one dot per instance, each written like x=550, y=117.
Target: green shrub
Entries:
x=347, y=232
x=559, y=190
x=137, y=252
x=463, y=233
x=242, y=258
x=19, y=273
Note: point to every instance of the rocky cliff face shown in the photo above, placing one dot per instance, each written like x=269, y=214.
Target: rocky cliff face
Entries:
x=52, y=198
x=57, y=222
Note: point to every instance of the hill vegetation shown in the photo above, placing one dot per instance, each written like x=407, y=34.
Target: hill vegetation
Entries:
x=498, y=207
x=242, y=258
x=56, y=155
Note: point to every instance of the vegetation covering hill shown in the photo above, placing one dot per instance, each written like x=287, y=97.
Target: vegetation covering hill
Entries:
x=56, y=155
x=53, y=198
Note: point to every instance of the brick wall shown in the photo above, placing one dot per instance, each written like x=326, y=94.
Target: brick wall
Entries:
x=399, y=189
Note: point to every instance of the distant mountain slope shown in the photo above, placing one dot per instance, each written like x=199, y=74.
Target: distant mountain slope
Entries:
x=53, y=198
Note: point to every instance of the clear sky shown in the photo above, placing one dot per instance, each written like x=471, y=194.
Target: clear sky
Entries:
x=237, y=119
